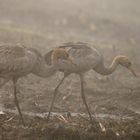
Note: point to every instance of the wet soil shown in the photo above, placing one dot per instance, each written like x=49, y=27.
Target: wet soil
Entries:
x=68, y=128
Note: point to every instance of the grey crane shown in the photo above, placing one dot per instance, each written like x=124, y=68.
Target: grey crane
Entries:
x=85, y=58
x=17, y=61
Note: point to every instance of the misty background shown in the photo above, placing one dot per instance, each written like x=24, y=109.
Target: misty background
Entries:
x=73, y=20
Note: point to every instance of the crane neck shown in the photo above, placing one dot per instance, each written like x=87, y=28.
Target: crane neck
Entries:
x=102, y=69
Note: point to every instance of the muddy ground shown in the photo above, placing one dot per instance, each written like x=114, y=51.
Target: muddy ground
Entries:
x=70, y=128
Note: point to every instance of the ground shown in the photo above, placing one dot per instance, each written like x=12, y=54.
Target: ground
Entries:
x=69, y=128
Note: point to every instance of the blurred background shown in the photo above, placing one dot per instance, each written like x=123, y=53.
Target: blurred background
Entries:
x=108, y=22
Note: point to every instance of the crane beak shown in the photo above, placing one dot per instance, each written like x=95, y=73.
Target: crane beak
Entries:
x=132, y=71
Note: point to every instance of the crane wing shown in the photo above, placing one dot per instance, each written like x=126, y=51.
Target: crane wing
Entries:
x=79, y=49
x=81, y=53
x=75, y=45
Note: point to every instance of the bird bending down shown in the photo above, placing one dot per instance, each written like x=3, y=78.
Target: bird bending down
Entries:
x=85, y=58
x=17, y=61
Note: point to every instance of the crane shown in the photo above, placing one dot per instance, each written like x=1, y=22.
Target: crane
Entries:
x=85, y=58
x=17, y=61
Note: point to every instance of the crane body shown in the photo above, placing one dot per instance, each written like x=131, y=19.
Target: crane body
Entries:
x=17, y=61
x=86, y=58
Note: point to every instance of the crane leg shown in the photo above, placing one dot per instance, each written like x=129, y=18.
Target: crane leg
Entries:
x=83, y=97
x=16, y=101
x=54, y=95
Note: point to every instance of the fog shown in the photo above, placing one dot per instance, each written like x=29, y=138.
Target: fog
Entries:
x=126, y=11
x=52, y=22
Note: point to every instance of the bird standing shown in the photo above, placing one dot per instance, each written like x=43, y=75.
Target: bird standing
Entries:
x=17, y=61
x=85, y=58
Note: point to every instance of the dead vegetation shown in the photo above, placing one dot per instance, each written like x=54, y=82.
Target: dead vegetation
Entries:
x=74, y=128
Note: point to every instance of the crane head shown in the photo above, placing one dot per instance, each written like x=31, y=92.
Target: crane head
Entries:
x=124, y=61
